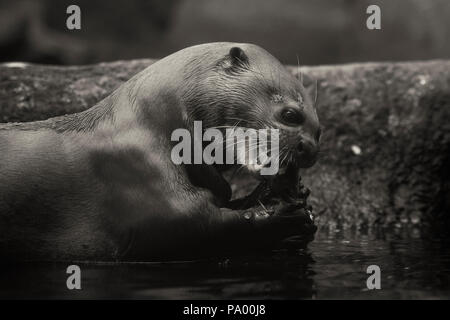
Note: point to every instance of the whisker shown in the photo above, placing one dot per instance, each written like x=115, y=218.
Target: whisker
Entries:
x=298, y=70
x=315, y=97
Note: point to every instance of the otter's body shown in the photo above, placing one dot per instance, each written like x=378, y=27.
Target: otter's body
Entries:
x=101, y=184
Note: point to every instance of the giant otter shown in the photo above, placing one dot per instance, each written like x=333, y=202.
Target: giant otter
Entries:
x=100, y=184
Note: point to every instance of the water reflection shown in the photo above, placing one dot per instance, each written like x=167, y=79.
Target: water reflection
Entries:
x=333, y=267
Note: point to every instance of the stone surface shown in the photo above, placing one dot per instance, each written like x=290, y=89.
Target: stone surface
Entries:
x=386, y=141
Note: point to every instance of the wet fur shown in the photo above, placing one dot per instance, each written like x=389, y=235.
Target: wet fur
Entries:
x=100, y=185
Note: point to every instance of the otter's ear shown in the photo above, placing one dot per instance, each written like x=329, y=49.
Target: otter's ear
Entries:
x=235, y=61
x=238, y=55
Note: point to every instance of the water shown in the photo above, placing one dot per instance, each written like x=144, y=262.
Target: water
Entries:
x=413, y=266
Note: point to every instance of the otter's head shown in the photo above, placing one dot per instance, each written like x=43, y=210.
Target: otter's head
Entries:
x=243, y=85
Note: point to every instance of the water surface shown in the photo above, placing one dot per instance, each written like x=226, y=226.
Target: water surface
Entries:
x=413, y=266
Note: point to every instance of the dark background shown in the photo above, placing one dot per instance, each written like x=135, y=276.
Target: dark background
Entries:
x=319, y=31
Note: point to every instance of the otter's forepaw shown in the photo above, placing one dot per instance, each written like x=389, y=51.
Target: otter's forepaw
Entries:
x=284, y=223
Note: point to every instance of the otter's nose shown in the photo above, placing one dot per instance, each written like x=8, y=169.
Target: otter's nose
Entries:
x=307, y=153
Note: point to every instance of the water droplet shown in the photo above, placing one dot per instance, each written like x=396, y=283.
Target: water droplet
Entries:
x=356, y=150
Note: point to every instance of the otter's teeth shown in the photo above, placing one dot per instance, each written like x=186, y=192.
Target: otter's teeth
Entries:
x=311, y=216
x=254, y=167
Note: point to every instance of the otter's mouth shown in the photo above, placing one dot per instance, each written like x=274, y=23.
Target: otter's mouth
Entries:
x=284, y=188
x=256, y=169
x=280, y=168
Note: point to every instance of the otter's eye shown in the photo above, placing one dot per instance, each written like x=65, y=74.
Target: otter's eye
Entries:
x=291, y=117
